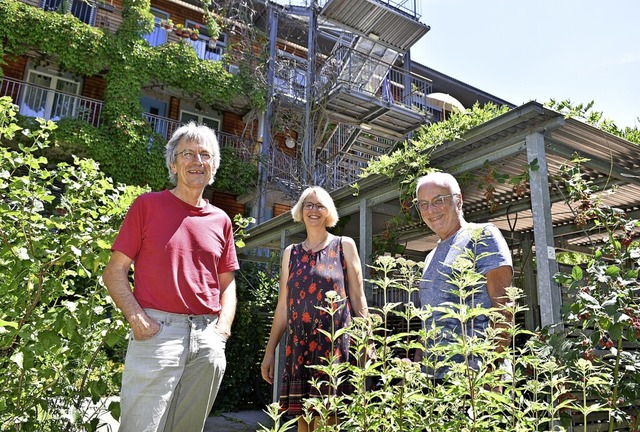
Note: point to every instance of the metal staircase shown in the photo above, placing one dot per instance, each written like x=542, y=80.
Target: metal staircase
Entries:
x=369, y=102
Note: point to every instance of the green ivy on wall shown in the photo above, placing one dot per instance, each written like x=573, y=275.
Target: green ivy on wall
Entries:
x=124, y=144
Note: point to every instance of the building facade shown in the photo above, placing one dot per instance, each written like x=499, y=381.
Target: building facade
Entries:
x=340, y=87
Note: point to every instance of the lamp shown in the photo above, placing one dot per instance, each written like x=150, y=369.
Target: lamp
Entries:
x=290, y=142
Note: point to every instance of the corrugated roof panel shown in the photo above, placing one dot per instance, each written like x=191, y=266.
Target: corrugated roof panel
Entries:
x=389, y=25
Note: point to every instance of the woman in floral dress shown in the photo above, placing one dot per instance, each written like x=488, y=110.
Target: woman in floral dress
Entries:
x=322, y=263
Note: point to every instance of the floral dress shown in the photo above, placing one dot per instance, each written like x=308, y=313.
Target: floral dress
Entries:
x=311, y=276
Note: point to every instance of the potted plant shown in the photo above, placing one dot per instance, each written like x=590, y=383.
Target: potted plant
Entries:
x=194, y=33
x=179, y=29
x=166, y=24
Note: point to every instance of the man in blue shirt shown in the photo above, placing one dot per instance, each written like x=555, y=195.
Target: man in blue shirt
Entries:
x=439, y=200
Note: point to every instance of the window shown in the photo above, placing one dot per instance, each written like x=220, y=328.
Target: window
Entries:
x=207, y=48
x=50, y=97
x=291, y=77
x=155, y=112
x=186, y=117
x=159, y=35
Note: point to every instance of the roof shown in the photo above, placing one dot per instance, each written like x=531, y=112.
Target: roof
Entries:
x=501, y=143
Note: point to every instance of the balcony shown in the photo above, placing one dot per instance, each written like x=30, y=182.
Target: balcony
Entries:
x=205, y=47
x=85, y=11
x=37, y=101
x=358, y=89
x=394, y=23
x=245, y=148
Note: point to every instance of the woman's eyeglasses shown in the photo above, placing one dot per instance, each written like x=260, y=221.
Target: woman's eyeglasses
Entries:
x=310, y=206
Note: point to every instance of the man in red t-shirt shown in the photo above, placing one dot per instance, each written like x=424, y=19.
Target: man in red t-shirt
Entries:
x=184, y=296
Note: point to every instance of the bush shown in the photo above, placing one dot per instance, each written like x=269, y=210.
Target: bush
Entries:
x=56, y=227
x=545, y=381
x=242, y=386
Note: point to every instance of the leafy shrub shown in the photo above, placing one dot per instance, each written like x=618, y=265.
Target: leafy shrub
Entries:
x=242, y=385
x=56, y=227
x=541, y=383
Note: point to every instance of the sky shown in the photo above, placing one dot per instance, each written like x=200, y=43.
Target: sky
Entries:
x=520, y=50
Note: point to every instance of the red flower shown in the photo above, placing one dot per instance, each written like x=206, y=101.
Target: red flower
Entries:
x=306, y=317
x=305, y=258
x=312, y=287
x=319, y=295
x=303, y=294
x=300, y=360
x=332, y=253
x=294, y=315
x=312, y=346
x=287, y=351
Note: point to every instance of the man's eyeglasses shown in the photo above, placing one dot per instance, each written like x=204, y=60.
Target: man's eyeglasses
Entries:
x=310, y=206
x=437, y=201
x=189, y=155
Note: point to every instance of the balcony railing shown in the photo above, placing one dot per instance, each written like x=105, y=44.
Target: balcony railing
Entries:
x=205, y=48
x=245, y=148
x=410, y=7
x=37, y=101
x=357, y=71
x=84, y=10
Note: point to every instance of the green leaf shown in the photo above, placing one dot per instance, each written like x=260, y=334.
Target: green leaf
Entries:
x=12, y=324
x=615, y=331
x=612, y=271
x=576, y=273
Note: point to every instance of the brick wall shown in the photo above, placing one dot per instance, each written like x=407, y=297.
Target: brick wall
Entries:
x=14, y=68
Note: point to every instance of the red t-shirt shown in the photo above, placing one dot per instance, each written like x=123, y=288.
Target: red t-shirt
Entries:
x=179, y=251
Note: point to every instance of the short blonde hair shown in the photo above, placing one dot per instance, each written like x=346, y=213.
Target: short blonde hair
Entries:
x=323, y=198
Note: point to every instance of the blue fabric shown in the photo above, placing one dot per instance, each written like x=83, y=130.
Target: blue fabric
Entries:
x=491, y=251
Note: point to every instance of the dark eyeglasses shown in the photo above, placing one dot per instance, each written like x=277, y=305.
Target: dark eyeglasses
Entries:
x=436, y=202
x=310, y=206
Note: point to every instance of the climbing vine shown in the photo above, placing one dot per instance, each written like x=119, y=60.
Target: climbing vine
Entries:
x=124, y=144
x=411, y=159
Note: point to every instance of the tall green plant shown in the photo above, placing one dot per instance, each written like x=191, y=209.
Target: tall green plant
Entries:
x=603, y=319
x=56, y=227
x=532, y=391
